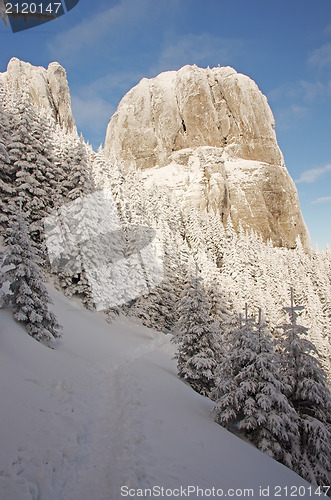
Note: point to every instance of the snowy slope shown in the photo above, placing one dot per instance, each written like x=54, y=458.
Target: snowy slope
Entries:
x=105, y=410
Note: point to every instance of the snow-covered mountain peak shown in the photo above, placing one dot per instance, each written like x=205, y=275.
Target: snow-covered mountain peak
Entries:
x=214, y=128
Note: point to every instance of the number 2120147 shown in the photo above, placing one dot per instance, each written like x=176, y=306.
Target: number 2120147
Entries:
x=32, y=8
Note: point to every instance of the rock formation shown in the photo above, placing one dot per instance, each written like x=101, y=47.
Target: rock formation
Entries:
x=206, y=133
x=209, y=134
x=48, y=88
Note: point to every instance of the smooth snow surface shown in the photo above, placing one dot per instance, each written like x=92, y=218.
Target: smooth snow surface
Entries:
x=105, y=409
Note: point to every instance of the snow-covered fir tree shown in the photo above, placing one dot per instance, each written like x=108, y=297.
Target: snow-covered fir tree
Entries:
x=29, y=173
x=250, y=397
x=79, y=180
x=6, y=188
x=195, y=336
x=27, y=294
x=310, y=396
x=73, y=203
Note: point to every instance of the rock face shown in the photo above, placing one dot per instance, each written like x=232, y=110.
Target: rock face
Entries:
x=48, y=88
x=209, y=135
x=190, y=108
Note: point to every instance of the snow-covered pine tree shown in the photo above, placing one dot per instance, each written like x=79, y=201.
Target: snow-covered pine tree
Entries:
x=30, y=173
x=101, y=170
x=311, y=398
x=73, y=164
x=74, y=202
x=195, y=335
x=7, y=167
x=27, y=294
x=214, y=231
x=4, y=128
x=78, y=181
x=5, y=179
x=193, y=229
x=250, y=397
x=157, y=307
x=143, y=211
x=319, y=270
x=220, y=306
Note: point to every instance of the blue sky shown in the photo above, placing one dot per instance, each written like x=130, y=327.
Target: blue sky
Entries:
x=107, y=46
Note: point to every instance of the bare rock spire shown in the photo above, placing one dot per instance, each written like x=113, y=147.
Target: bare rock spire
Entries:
x=47, y=88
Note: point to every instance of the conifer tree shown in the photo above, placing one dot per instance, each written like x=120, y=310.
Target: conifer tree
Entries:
x=30, y=173
x=6, y=189
x=78, y=181
x=7, y=169
x=27, y=294
x=196, y=360
x=101, y=170
x=74, y=202
x=311, y=398
x=250, y=397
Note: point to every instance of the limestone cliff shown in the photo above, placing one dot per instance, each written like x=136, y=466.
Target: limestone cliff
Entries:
x=48, y=88
x=210, y=135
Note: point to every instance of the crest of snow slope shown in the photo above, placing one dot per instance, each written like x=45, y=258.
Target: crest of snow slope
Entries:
x=197, y=118
x=105, y=409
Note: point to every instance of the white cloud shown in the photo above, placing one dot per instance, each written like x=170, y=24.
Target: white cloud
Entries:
x=312, y=90
x=93, y=104
x=313, y=174
x=85, y=33
x=302, y=90
x=122, y=80
x=92, y=113
x=321, y=57
x=288, y=117
x=323, y=199
x=295, y=101
x=202, y=49
x=110, y=22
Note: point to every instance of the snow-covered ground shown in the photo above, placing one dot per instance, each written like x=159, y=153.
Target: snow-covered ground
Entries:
x=103, y=416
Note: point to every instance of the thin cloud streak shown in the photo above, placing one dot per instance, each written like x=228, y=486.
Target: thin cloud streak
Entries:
x=91, y=31
x=313, y=174
x=94, y=104
x=121, y=80
x=323, y=199
x=288, y=118
x=203, y=49
x=321, y=57
x=303, y=91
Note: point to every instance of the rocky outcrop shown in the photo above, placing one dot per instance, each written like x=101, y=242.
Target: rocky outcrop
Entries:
x=48, y=88
x=256, y=195
x=190, y=108
x=209, y=134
